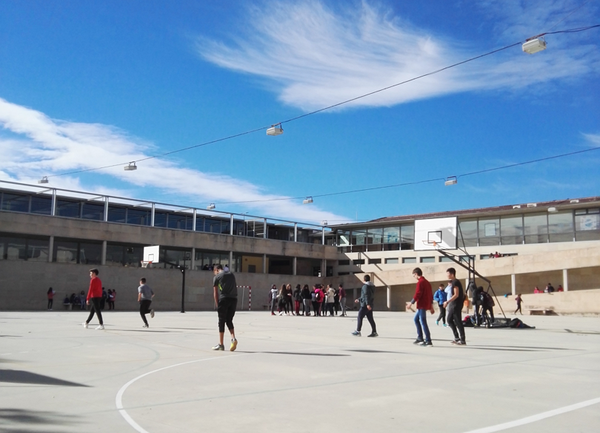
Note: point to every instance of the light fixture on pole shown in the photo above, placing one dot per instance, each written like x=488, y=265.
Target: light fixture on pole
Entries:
x=324, y=222
x=307, y=200
x=210, y=206
x=552, y=209
x=43, y=180
x=275, y=130
x=130, y=167
x=452, y=180
x=534, y=45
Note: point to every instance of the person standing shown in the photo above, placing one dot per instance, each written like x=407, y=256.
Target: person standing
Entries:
x=273, y=298
x=424, y=299
x=454, y=306
x=440, y=298
x=366, y=299
x=95, y=296
x=329, y=300
x=50, y=295
x=519, y=301
x=225, y=294
x=342, y=295
x=306, y=299
x=145, y=296
x=297, y=299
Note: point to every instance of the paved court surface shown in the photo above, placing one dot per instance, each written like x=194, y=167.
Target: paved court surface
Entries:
x=294, y=374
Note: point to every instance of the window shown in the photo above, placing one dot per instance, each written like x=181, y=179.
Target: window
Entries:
x=511, y=228
x=359, y=240
x=343, y=262
x=587, y=225
x=138, y=217
x=467, y=233
x=391, y=238
x=124, y=254
x=117, y=214
x=375, y=236
x=409, y=260
x=15, y=202
x=391, y=261
x=30, y=248
x=560, y=227
x=73, y=251
x=536, y=228
x=41, y=205
x=67, y=208
x=92, y=211
x=358, y=262
x=489, y=232
x=374, y=261
x=407, y=237
x=427, y=260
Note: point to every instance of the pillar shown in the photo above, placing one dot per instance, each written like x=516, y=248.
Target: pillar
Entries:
x=566, y=280
x=103, y=259
x=513, y=284
x=389, y=297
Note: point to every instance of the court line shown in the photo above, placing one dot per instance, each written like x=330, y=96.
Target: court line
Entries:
x=535, y=418
x=119, y=397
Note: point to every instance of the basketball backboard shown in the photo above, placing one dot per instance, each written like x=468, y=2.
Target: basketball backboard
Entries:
x=435, y=233
x=152, y=254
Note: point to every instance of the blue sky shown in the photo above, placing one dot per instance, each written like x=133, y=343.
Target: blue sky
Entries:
x=89, y=84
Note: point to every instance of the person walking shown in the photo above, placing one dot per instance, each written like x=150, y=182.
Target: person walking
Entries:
x=454, y=306
x=366, y=299
x=225, y=294
x=145, y=296
x=519, y=302
x=50, y=295
x=95, y=296
x=424, y=300
x=440, y=297
x=342, y=295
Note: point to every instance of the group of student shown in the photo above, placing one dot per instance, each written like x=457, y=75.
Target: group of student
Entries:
x=300, y=301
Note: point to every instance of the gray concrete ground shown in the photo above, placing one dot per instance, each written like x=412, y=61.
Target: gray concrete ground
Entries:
x=294, y=374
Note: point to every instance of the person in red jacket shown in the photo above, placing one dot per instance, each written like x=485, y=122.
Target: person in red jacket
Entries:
x=95, y=296
x=424, y=299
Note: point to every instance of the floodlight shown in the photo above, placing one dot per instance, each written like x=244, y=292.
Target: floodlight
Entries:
x=130, y=167
x=552, y=209
x=210, y=206
x=324, y=222
x=307, y=200
x=532, y=46
x=452, y=180
x=43, y=180
x=275, y=130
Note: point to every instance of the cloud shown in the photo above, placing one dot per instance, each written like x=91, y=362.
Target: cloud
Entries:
x=33, y=145
x=593, y=139
x=319, y=57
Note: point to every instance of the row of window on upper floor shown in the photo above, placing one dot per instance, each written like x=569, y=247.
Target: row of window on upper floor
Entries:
x=566, y=226
x=42, y=205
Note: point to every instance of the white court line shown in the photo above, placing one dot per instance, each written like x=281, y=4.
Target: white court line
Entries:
x=119, y=398
x=535, y=418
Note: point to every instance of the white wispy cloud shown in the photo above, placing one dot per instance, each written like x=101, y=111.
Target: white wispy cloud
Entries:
x=319, y=57
x=33, y=145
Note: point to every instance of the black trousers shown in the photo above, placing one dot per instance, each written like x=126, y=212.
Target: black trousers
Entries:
x=442, y=315
x=95, y=309
x=145, y=309
x=226, y=311
x=455, y=321
x=364, y=311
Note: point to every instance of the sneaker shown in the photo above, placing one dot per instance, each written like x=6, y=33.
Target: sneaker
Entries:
x=152, y=314
x=356, y=333
x=373, y=334
x=85, y=325
x=437, y=322
x=461, y=343
x=272, y=314
x=145, y=326
x=233, y=345
x=417, y=341
x=99, y=328
x=218, y=347
x=445, y=325
x=426, y=343
x=455, y=342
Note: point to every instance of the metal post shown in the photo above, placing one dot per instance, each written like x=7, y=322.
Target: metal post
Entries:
x=182, y=269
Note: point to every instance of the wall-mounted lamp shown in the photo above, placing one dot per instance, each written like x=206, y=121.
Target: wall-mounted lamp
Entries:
x=43, y=180
x=532, y=46
x=307, y=200
x=210, y=206
x=275, y=130
x=130, y=167
x=552, y=209
x=452, y=180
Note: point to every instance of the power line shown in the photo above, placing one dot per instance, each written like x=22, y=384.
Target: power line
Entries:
x=320, y=110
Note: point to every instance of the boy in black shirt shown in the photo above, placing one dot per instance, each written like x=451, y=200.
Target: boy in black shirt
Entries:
x=454, y=306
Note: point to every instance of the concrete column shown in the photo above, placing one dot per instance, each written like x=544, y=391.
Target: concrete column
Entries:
x=264, y=264
x=193, y=259
x=105, y=208
x=295, y=233
x=230, y=232
x=295, y=266
x=323, y=268
x=231, y=267
x=103, y=259
x=566, y=280
x=513, y=284
x=51, y=249
x=152, y=215
x=53, y=208
x=194, y=213
x=389, y=297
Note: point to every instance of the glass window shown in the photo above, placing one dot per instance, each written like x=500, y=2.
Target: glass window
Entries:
x=391, y=261
x=343, y=238
x=407, y=237
x=41, y=205
x=179, y=221
x=391, y=235
x=444, y=259
x=374, y=261
x=587, y=227
x=138, y=217
x=129, y=255
x=467, y=233
x=489, y=232
x=343, y=262
x=90, y=253
x=171, y=258
x=15, y=202
x=67, y=208
x=37, y=249
x=427, y=260
x=375, y=236
x=358, y=262
x=13, y=248
x=160, y=219
x=92, y=211
x=536, y=228
x=117, y=214
x=511, y=228
x=409, y=260
x=359, y=240
x=65, y=251
x=212, y=225
x=560, y=227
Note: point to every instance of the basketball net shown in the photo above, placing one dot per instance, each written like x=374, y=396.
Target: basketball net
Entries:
x=146, y=264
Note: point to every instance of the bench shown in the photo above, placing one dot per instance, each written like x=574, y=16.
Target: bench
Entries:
x=540, y=311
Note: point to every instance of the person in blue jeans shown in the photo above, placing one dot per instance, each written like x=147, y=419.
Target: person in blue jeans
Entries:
x=424, y=299
x=440, y=297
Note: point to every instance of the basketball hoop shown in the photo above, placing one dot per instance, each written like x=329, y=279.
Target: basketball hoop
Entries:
x=145, y=264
